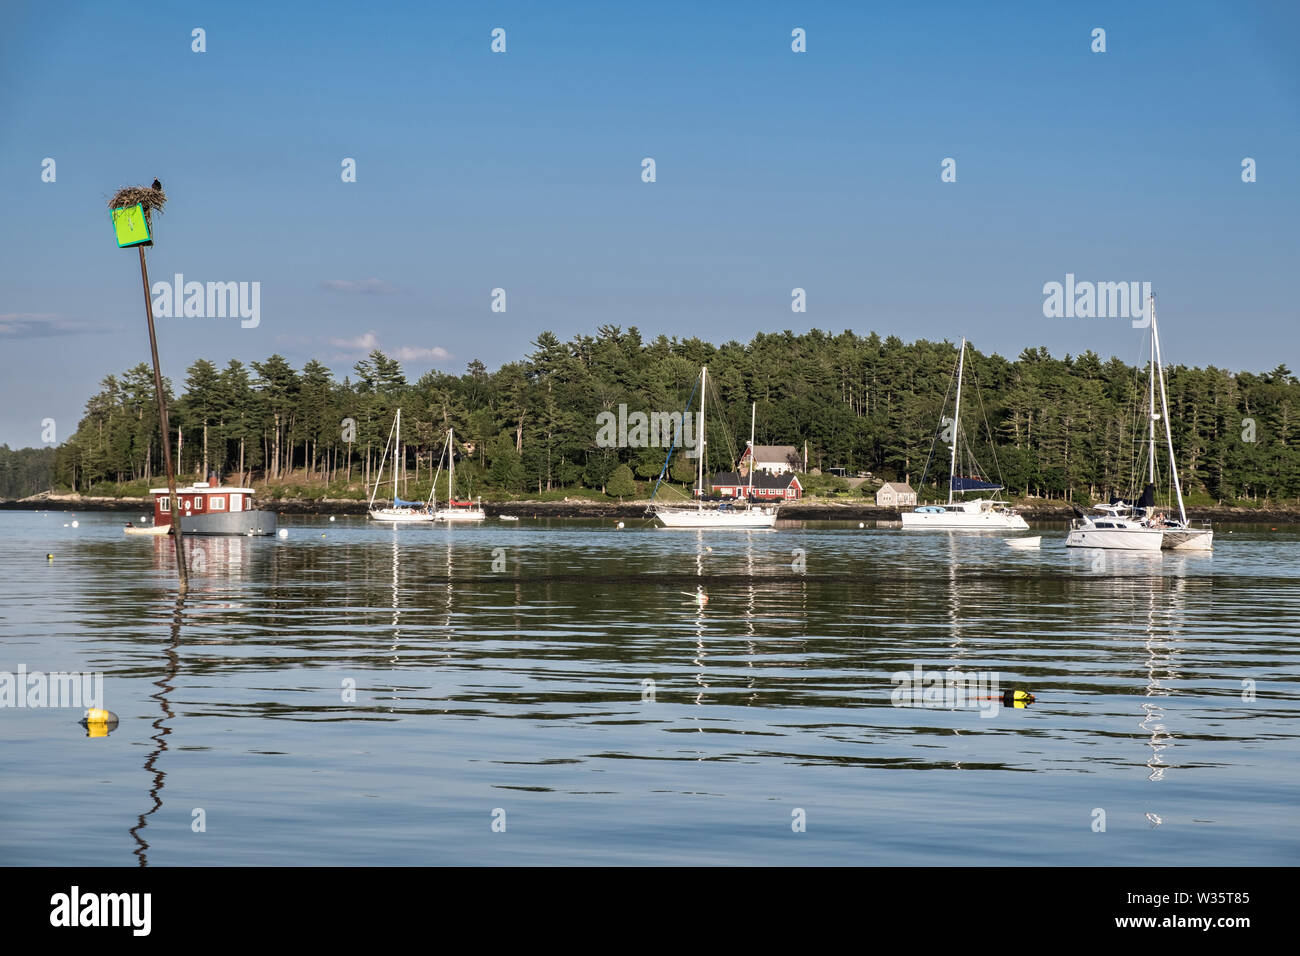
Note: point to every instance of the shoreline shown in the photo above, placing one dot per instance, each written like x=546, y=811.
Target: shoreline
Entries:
x=579, y=508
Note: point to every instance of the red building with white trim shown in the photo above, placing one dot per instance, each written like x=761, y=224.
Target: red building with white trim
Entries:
x=730, y=484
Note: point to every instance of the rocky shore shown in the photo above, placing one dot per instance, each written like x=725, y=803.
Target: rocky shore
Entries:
x=814, y=510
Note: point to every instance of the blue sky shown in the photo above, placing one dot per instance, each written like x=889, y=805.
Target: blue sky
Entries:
x=522, y=170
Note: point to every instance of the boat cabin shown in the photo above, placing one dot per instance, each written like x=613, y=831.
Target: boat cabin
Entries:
x=200, y=498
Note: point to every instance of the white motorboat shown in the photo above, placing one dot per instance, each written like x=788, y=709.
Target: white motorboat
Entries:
x=984, y=514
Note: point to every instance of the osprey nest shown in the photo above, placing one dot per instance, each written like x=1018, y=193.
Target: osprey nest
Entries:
x=151, y=199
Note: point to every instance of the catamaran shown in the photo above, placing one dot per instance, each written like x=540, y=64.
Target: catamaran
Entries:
x=400, y=512
x=467, y=510
x=984, y=514
x=738, y=515
x=1144, y=527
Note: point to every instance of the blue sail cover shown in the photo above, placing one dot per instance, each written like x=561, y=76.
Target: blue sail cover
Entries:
x=973, y=484
x=399, y=503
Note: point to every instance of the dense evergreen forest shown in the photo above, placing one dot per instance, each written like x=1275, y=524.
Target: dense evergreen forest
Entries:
x=25, y=471
x=1062, y=428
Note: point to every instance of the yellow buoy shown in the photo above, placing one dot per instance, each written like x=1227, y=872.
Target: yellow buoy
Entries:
x=99, y=722
x=1019, y=699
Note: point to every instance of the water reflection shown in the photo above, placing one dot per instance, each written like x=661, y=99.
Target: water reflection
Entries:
x=1163, y=624
x=777, y=672
x=162, y=730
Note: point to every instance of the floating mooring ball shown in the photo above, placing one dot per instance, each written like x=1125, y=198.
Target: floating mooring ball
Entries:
x=861, y=525
x=99, y=722
x=331, y=517
x=620, y=525
x=284, y=532
x=77, y=524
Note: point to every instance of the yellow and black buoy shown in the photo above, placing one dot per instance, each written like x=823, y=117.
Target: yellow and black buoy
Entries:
x=49, y=557
x=99, y=722
x=1017, y=698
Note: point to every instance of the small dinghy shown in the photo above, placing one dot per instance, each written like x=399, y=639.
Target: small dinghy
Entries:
x=509, y=517
x=148, y=529
x=1025, y=543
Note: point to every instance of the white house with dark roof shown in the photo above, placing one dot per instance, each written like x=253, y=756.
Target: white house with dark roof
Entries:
x=894, y=494
x=773, y=459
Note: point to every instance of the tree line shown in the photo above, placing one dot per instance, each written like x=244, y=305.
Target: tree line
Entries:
x=1054, y=428
x=25, y=471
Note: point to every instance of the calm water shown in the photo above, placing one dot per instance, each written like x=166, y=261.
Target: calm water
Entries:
x=522, y=690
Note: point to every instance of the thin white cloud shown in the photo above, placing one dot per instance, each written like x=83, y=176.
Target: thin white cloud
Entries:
x=412, y=353
x=40, y=325
x=363, y=345
x=371, y=286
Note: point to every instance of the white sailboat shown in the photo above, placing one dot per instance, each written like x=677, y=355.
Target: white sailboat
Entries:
x=1144, y=527
x=399, y=512
x=1115, y=528
x=468, y=510
x=984, y=514
x=734, y=515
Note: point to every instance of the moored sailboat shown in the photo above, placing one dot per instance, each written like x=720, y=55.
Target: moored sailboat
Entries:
x=466, y=510
x=399, y=512
x=737, y=514
x=1145, y=527
x=983, y=514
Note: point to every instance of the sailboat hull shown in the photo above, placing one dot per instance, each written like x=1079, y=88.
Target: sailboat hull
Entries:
x=1188, y=539
x=459, y=515
x=400, y=515
x=1118, y=539
x=741, y=519
x=986, y=521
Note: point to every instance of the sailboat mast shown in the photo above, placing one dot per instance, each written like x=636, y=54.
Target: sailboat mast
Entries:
x=1151, y=397
x=956, y=419
x=753, y=414
x=397, y=448
x=379, y=476
x=699, y=481
x=451, y=467
x=1164, y=410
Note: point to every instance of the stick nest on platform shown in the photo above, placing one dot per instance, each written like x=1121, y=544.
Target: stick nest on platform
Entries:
x=151, y=199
